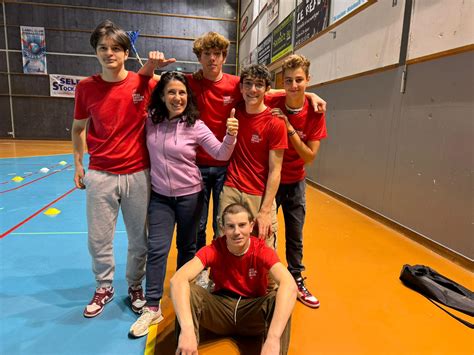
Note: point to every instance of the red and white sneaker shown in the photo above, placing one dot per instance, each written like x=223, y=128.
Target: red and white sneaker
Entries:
x=137, y=299
x=304, y=295
x=102, y=296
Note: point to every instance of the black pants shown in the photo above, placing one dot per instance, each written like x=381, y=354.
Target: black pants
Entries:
x=163, y=213
x=292, y=199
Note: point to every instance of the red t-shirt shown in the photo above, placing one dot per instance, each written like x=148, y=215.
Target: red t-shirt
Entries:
x=244, y=275
x=258, y=134
x=309, y=125
x=214, y=100
x=117, y=112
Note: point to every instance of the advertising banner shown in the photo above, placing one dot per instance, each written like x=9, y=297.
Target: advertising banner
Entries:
x=311, y=18
x=264, y=51
x=283, y=38
x=33, y=49
x=341, y=8
x=63, y=85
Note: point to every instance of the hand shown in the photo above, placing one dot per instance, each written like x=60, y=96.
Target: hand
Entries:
x=278, y=112
x=78, y=177
x=232, y=124
x=187, y=344
x=318, y=103
x=264, y=223
x=271, y=347
x=157, y=59
x=198, y=75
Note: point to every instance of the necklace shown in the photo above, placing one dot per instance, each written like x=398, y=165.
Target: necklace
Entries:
x=293, y=111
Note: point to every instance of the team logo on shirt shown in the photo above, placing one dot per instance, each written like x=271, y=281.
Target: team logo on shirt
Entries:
x=137, y=97
x=252, y=273
x=227, y=100
x=255, y=138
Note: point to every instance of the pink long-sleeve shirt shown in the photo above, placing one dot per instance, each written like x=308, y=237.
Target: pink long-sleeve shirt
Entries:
x=172, y=146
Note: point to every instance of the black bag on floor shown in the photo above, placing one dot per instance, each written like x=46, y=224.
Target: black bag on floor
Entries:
x=439, y=288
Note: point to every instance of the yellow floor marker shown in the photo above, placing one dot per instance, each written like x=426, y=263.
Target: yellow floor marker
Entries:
x=18, y=179
x=52, y=212
x=62, y=162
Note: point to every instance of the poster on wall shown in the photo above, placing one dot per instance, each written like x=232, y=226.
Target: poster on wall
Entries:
x=33, y=49
x=311, y=18
x=272, y=11
x=341, y=8
x=245, y=21
x=282, y=38
x=63, y=85
x=264, y=50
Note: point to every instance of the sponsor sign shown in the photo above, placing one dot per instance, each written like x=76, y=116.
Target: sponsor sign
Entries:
x=311, y=18
x=283, y=38
x=341, y=8
x=63, y=85
x=264, y=51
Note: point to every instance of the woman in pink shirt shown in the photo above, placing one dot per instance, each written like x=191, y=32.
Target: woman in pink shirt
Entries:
x=173, y=134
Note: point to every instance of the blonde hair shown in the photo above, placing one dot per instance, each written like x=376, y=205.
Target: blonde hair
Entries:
x=296, y=61
x=210, y=40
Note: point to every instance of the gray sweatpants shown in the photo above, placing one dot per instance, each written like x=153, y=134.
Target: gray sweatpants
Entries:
x=106, y=194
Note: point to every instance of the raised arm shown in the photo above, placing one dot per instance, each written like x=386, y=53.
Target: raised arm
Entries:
x=156, y=59
x=78, y=135
x=180, y=295
x=307, y=151
x=264, y=216
x=318, y=103
x=284, y=304
x=216, y=149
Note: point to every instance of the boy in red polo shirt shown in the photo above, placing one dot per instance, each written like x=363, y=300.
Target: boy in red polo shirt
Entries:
x=305, y=130
x=254, y=170
x=240, y=303
x=112, y=105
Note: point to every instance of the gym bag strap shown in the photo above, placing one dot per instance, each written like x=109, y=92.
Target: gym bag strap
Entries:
x=439, y=288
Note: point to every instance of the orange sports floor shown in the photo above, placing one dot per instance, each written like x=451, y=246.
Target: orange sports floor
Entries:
x=352, y=264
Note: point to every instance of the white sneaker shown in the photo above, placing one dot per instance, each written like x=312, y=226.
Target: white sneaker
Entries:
x=148, y=317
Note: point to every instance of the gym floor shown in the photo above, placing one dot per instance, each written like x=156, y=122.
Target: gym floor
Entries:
x=352, y=265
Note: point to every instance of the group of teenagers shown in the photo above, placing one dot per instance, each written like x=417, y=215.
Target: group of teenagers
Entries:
x=159, y=147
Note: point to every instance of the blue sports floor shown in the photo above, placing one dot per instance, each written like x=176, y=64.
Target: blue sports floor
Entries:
x=45, y=269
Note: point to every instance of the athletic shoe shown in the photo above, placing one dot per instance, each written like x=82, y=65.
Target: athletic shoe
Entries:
x=102, y=296
x=148, y=317
x=137, y=299
x=304, y=295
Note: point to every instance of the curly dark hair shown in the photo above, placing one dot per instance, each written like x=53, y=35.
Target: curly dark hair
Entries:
x=256, y=71
x=157, y=108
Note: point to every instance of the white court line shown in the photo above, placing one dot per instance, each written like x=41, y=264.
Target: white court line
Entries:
x=35, y=156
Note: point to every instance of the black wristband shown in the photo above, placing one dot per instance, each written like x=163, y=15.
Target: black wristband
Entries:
x=292, y=133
